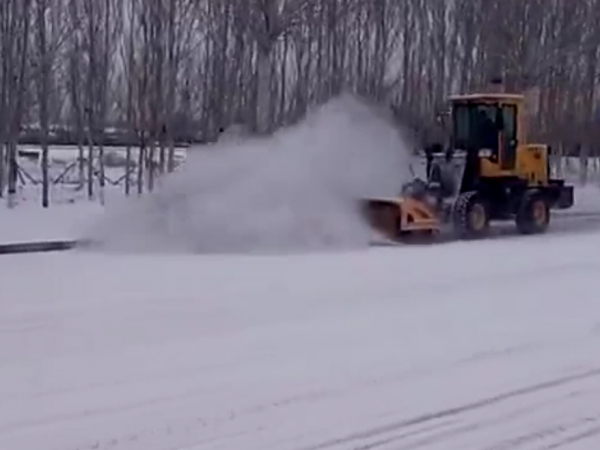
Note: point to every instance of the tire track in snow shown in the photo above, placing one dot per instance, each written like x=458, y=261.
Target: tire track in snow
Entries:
x=185, y=429
x=429, y=430
x=25, y=324
x=352, y=441
x=188, y=426
x=521, y=442
x=462, y=430
x=445, y=436
x=536, y=437
x=584, y=436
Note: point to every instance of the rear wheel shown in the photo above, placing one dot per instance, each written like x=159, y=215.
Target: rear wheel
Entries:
x=533, y=215
x=470, y=216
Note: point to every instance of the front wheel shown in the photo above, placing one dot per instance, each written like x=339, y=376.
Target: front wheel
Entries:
x=470, y=216
x=533, y=215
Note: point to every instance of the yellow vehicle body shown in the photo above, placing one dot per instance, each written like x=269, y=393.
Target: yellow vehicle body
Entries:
x=532, y=163
x=531, y=159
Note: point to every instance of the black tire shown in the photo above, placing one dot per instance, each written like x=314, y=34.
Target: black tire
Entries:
x=533, y=215
x=470, y=216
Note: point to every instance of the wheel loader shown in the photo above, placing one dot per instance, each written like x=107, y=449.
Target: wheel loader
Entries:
x=488, y=171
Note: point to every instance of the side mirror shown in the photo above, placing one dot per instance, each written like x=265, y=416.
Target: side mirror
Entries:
x=442, y=115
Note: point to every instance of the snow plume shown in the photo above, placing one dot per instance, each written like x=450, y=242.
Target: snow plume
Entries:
x=296, y=190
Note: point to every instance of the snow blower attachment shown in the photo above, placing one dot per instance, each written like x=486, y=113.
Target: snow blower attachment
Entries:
x=424, y=206
x=488, y=172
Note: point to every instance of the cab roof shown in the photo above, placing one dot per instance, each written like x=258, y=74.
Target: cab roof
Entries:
x=487, y=96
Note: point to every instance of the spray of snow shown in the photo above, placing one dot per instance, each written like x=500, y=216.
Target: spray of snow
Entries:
x=296, y=190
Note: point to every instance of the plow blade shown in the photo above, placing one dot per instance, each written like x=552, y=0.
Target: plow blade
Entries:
x=398, y=219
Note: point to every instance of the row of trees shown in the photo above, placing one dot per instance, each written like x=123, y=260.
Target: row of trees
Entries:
x=167, y=70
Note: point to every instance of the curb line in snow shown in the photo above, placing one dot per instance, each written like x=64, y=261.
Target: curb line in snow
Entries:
x=63, y=245
x=37, y=247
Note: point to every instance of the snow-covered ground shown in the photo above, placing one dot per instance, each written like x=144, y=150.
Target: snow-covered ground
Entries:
x=481, y=346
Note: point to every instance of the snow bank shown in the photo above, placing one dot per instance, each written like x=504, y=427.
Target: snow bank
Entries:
x=30, y=222
x=296, y=190
x=587, y=199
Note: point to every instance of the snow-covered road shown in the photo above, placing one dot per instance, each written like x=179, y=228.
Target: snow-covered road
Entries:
x=484, y=346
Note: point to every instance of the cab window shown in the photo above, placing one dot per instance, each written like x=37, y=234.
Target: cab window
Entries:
x=475, y=126
x=509, y=116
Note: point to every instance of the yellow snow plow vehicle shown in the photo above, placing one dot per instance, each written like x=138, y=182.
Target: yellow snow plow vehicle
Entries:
x=489, y=172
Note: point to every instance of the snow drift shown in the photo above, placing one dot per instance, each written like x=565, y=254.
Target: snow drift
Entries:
x=296, y=190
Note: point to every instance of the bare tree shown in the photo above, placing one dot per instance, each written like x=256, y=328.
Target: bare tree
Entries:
x=16, y=52
x=51, y=32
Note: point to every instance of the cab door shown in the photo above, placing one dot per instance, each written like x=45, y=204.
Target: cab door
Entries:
x=507, y=137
